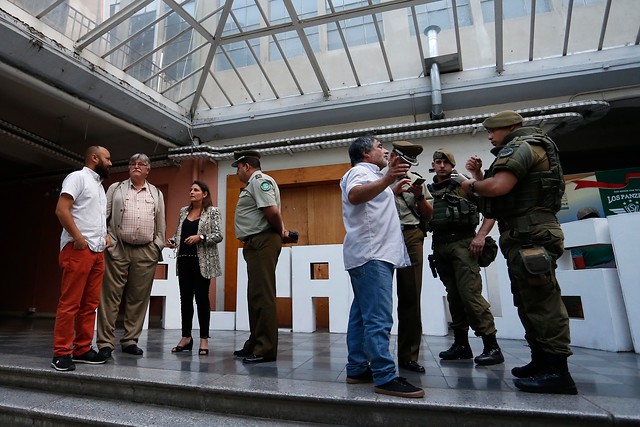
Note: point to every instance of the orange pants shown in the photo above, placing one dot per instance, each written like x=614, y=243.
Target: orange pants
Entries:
x=82, y=273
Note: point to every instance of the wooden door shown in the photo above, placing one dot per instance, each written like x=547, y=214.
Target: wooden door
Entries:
x=310, y=204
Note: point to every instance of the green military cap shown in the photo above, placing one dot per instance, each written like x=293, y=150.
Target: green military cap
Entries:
x=443, y=153
x=503, y=119
x=407, y=151
x=240, y=156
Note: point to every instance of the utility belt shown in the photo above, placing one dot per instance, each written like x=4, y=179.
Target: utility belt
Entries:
x=523, y=222
x=444, y=237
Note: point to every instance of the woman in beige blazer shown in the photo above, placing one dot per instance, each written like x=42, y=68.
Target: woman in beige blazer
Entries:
x=197, y=236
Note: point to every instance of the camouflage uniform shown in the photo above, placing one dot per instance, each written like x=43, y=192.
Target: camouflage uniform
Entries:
x=525, y=216
x=527, y=221
x=458, y=268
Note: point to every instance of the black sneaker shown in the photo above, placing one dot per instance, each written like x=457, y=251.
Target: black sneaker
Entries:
x=363, y=378
x=91, y=357
x=488, y=357
x=63, y=363
x=457, y=352
x=399, y=387
x=105, y=352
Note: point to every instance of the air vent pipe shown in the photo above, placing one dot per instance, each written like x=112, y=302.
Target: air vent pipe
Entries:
x=436, y=88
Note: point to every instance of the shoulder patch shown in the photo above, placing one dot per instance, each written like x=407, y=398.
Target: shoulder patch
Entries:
x=265, y=186
x=506, y=152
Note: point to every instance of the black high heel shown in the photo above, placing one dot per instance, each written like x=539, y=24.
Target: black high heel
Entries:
x=186, y=347
x=203, y=351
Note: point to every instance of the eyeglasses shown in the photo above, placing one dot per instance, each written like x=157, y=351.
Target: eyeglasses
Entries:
x=138, y=164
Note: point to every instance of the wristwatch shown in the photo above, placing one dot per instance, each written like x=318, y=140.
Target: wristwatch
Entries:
x=203, y=237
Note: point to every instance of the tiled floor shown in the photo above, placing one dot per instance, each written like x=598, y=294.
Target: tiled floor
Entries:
x=604, y=379
x=322, y=356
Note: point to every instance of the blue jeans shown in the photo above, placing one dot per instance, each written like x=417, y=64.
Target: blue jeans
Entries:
x=370, y=321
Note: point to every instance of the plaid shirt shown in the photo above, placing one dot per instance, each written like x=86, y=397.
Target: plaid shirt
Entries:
x=138, y=220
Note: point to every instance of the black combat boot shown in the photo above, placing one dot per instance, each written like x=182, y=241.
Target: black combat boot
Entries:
x=531, y=368
x=491, y=354
x=460, y=348
x=553, y=377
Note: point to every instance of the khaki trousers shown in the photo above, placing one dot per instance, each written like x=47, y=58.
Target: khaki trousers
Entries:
x=130, y=278
x=261, y=253
x=409, y=289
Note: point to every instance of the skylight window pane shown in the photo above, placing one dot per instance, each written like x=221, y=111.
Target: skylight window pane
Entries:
x=289, y=41
x=357, y=31
x=248, y=16
x=440, y=13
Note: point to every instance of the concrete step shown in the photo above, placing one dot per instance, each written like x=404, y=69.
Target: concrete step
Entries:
x=24, y=407
x=81, y=395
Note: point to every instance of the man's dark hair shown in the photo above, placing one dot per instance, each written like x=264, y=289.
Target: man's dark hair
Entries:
x=358, y=147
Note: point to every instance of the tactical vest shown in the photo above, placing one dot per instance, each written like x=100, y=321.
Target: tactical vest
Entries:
x=451, y=212
x=537, y=190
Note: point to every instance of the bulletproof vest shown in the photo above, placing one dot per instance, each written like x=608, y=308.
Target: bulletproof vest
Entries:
x=451, y=212
x=542, y=190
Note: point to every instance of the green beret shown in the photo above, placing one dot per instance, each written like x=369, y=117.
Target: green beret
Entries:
x=242, y=155
x=443, y=153
x=502, y=120
x=407, y=151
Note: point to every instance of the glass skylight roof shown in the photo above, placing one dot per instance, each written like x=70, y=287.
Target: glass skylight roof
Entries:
x=206, y=54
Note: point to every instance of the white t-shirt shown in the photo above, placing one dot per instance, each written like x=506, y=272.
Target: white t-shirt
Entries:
x=373, y=228
x=89, y=208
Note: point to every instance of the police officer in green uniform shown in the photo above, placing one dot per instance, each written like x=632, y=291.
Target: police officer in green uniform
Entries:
x=456, y=248
x=414, y=211
x=523, y=189
x=258, y=224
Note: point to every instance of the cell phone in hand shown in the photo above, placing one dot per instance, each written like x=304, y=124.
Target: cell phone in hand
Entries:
x=418, y=181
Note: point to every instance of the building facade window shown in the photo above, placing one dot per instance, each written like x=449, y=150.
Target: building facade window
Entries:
x=248, y=16
x=141, y=44
x=357, y=31
x=579, y=3
x=289, y=41
x=176, y=26
x=512, y=8
x=440, y=13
